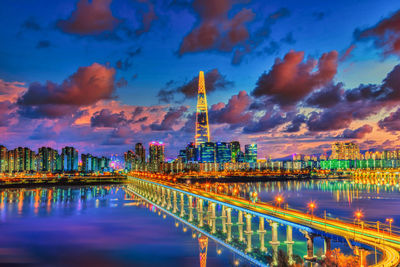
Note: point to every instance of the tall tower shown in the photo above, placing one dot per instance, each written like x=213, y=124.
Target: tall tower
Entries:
x=202, y=128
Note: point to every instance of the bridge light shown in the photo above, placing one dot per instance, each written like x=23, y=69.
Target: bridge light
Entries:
x=312, y=206
x=358, y=214
x=279, y=199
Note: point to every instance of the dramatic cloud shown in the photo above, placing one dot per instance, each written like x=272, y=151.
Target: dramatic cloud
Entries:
x=105, y=118
x=85, y=87
x=326, y=97
x=269, y=121
x=358, y=133
x=215, y=30
x=90, y=18
x=214, y=80
x=296, y=123
x=170, y=119
x=385, y=34
x=11, y=91
x=234, y=113
x=6, y=113
x=291, y=79
x=391, y=122
x=329, y=119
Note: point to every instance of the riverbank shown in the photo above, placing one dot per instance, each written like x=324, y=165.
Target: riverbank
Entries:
x=244, y=179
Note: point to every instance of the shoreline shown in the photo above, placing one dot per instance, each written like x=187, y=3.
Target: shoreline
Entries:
x=241, y=179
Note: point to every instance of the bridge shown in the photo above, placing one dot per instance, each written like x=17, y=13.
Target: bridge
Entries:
x=213, y=214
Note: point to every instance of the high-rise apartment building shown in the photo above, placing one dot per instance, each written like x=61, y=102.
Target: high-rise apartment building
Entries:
x=69, y=157
x=48, y=160
x=3, y=159
x=345, y=151
x=156, y=152
x=140, y=152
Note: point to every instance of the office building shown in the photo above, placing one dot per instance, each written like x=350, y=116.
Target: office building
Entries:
x=251, y=153
x=208, y=152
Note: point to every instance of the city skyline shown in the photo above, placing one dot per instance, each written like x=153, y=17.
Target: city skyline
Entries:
x=100, y=82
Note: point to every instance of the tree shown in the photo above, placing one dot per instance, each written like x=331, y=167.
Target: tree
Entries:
x=335, y=258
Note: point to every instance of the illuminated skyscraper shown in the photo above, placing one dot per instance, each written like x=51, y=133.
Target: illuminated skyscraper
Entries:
x=202, y=128
x=3, y=159
x=140, y=152
x=251, y=153
x=208, y=152
x=69, y=159
x=235, y=150
x=191, y=153
x=156, y=152
x=223, y=152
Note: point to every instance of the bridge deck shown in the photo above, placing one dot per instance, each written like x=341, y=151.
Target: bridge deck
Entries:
x=388, y=244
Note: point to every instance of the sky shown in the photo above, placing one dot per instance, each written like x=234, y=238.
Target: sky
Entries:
x=291, y=76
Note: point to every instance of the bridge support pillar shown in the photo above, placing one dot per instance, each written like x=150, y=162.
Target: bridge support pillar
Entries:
x=229, y=225
x=362, y=254
x=248, y=232
x=175, y=203
x=190, y=202
x=223, y=217
x=261, y=233
x=310, y=247
x=274, y=239
x=200, y=212
x=327, y=245
x=168, y=199
x=240, y=225
x=164, y=202
x=289, y=244
x=213, y=219
x=182, y=205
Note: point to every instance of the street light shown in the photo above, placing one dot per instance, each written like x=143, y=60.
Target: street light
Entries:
x=312, y=206
x=279, y=199
x=390, y=220
x=358, y=214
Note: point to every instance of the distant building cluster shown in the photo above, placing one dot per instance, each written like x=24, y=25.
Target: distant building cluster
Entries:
x=208, y=156
x=347, y=155
x=48, y=160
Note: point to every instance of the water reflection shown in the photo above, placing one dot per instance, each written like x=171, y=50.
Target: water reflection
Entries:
x=338, y=198
x=91, y=226
x=105, y=226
